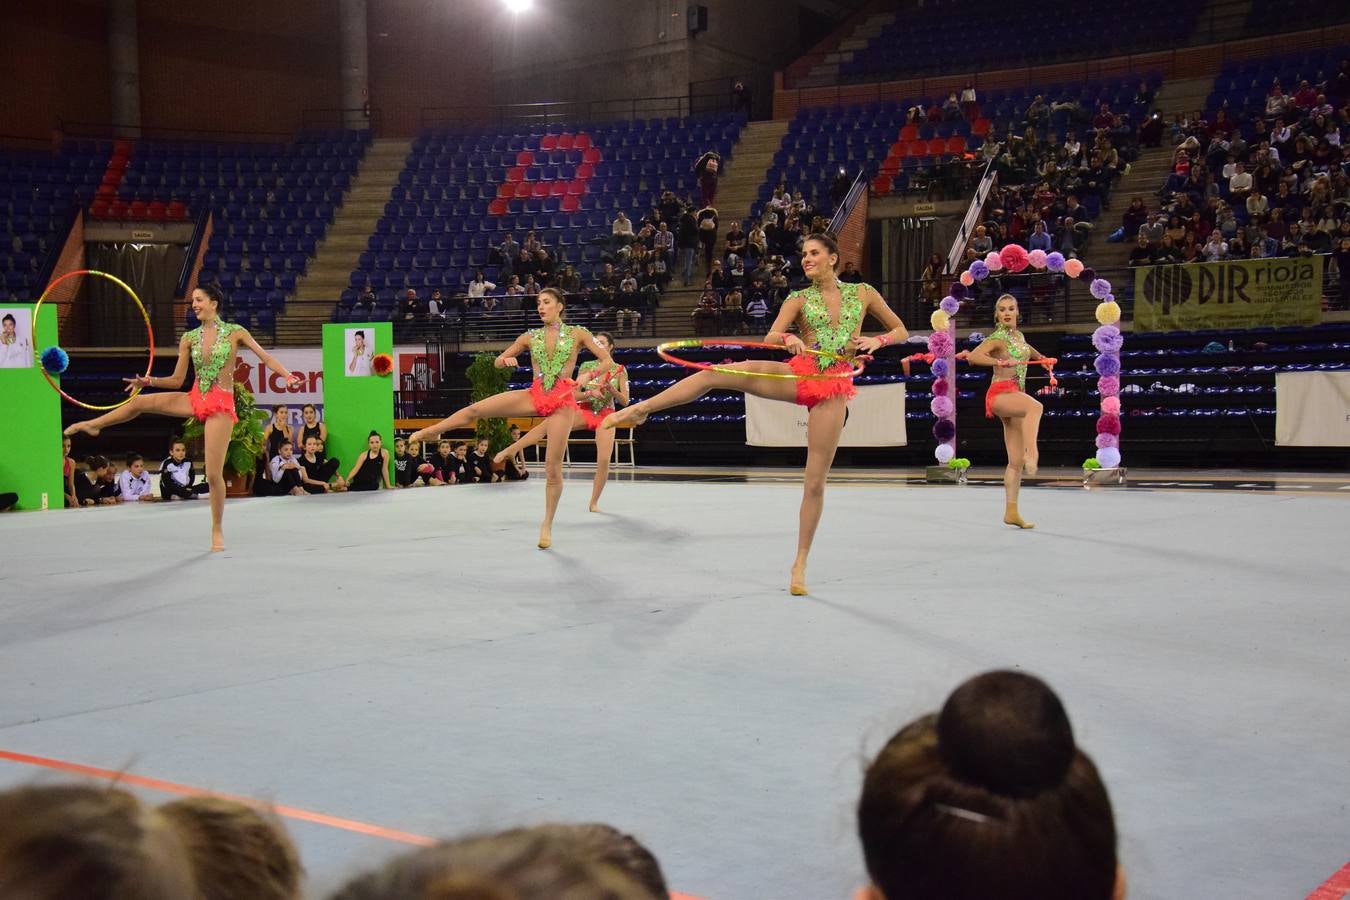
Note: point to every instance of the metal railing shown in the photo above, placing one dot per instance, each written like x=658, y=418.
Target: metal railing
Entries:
x=974, y=213
x=549, y=112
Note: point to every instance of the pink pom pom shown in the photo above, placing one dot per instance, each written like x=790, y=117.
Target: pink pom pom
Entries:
x=1108, y=385
x=993, y=261
x=1073, y=267
x=967, y=279
x=1014, y=257
x=1037, y=259
x=1111, y=405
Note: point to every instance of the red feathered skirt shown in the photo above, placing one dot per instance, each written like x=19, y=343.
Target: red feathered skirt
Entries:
x=546, y=403
x=811, y=391
x=215, y=402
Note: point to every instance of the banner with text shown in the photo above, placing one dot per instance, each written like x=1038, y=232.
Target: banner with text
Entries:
x=876, y=418
x=1249, y=293
x=270, y=390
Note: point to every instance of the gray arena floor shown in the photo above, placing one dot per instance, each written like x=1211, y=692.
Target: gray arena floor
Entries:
x=410, y=660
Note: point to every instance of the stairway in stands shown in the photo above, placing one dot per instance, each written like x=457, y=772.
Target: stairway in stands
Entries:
x=337, y=255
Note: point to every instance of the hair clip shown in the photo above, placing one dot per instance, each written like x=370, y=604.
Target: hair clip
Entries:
x=968, y=815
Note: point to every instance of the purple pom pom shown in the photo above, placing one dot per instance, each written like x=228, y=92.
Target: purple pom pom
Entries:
x=979, y=270
x=944, y=430
x=942, y=387
x=1108, y=386
x=1107, y=339
x=943, y=453
x=1107, y=364
x=950, y=305
x=1107, y=440
x=940, y=369
x=940, y=344
x=1054, y=261
x=1109, y=457
x=1099, y=288
x=958, y=290
x=942, y=407
x=1088, y=275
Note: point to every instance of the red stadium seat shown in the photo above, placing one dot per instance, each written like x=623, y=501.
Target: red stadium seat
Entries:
x=881, y=185
x=592, y=155
x=571, y=203
x=956, y=144
x=525, y=158
x=101, y=209
x=910, y=132
x=557, y=188
x=980, y=128
x=177, y=210
x=138, y=209
x=936, y=147
x=581, y=142
x=585, y=170
x=157, y=210
x=515, y=174
x=565, y=141
x=548, y=142
x=118, y=210
x=506, y=190
x=540, y=190
x=523, y=190
x=576, y=187
x=497, y=207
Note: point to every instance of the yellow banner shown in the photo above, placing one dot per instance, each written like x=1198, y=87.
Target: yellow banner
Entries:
x=1249, y=293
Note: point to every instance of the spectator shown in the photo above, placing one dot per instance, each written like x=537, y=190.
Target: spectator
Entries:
x=1169, y=253
x=1257, y=204
x=318, y=473
x=1215, y=249
x=621, y=231
x=740, y=98
x=371, y=471
x=176, y=478
x=235, y=851
x=663, y=242
x=446, y=467
x=1240, y=184
x=1155, y=229
x=310, y=426
x=436, y=306
x=480, y=463
x=757, y=309
x=524, y=864
x=411, y=311
x=981, y=243
x=736, y=240
x=509, y=251
x=931, y=278
x=708, y=168
x=851, y=275
x=687, y=242
x=989, y=797
x=707, y=234
x=732, y=313
x=479, y=287
x=91, y=486
x=134, y=482
x=68, y=474
x=286, y=472
x=1039, y=239
x=515, y=469
x=365, y=304
x=1142, y=254
x=707, y=315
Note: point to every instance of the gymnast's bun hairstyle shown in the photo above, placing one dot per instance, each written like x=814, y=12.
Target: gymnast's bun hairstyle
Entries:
x=525, y=864
x=989, y=797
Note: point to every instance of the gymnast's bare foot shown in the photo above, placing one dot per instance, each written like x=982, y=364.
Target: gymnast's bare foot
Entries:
x=82, y=428
x=595, y=507
x=545, y=537
x=1032, y=464
x=797, y=587
x=217, y=540
x=1012, y=517
x=502, y=456
x=630, y=417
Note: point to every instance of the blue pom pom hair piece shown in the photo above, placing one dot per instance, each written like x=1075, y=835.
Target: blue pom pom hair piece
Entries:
x=55, y=360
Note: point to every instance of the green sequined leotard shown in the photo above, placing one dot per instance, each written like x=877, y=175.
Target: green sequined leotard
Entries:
x=1018, y=349
x=829, y=337
x=550, y=365
x=210, y=365
x=608, y=390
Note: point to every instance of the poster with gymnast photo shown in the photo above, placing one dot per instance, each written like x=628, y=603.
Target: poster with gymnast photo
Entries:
x=16, y=338
x=360, y=350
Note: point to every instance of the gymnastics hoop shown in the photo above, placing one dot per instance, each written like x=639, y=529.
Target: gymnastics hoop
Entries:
x=149, y=333
x=663, y=350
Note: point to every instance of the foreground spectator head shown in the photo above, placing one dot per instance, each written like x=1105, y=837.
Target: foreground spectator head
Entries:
x=989, y=797
x=526, y=864
x=59, y=842
x=237, y=853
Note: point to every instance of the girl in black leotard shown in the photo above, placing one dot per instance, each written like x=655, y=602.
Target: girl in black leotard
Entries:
x=372, y=467
x=312, y=427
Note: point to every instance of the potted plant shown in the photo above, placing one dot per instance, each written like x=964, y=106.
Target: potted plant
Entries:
x=488, y=380
x=246, y=441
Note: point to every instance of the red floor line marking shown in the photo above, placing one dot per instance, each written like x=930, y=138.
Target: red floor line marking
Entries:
x=1335, y=887
x=290, y=812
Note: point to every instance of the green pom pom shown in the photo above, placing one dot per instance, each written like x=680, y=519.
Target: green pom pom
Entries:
x=1091, y=463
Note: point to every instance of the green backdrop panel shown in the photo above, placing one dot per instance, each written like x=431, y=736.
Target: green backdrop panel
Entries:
x=31, y=413
x=355, y=403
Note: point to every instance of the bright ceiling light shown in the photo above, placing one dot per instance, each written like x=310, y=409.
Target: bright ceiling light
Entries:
x=518, y=6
